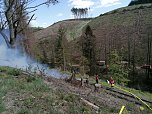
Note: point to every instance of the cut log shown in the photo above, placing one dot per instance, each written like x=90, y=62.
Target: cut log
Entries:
x=90, y=104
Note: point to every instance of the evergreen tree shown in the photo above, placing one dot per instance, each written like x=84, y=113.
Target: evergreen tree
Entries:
x=88, y=49
x=60, y=49
x=117, y=70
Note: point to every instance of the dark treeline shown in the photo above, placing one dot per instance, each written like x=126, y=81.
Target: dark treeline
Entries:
x=136, y=2
x=80, y=12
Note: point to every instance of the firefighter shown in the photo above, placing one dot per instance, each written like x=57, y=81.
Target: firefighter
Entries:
x=97, y=78
x=111, y=81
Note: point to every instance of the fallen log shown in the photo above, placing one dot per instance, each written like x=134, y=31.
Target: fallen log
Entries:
x=90, y=104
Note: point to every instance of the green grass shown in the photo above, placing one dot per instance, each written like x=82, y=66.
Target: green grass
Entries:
x=76, y=31
x=27, y=94
x=5, y=85
x=10, y=71
x=35, y=97
x=139, y=93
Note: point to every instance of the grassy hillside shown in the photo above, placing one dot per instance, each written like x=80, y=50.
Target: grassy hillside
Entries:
x=26, y=94
x=23, y=93
x=72, y=26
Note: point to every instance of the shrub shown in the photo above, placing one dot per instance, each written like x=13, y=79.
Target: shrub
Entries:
x=119, y=72
x=13, y=71
x=30, y=78
x=3, y=69
x=69, y=98
x=2, y=108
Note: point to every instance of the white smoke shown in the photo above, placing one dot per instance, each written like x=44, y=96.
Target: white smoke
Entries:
x=14, y=58
x=11, y=57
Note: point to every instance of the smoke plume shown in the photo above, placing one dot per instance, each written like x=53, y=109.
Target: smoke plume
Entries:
x=19, y=59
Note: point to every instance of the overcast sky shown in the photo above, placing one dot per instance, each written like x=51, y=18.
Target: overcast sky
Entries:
x=46, y=16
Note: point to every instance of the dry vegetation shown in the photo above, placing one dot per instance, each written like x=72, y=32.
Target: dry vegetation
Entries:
x=27, y=94
x=127, y=30
x=112, y=31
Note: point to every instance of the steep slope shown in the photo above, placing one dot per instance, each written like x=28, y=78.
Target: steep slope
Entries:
x=124, y=28
x=71, y=26
x=44, y=41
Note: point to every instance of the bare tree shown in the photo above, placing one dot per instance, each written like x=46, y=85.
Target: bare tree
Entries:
x=149, y=49
x=14, y=15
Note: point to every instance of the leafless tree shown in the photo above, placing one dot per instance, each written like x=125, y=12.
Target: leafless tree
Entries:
x=149, y=52
x=14, y=16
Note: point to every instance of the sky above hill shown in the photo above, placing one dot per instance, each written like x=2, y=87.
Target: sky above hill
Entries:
x=46, y=16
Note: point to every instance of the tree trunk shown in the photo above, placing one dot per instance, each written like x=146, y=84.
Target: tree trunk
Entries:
x=129, y=47
x=148, y=56
x=64, y=61
x=133, y=60
x=9, y=18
